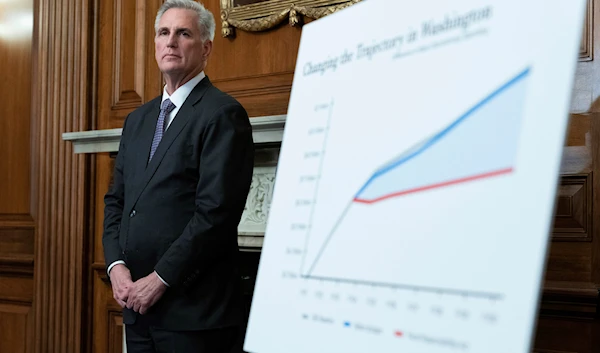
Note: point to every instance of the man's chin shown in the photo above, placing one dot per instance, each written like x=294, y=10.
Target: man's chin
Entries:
x=171, y=69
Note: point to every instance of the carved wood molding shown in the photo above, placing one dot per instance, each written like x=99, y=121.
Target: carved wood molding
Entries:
x=19, y=265
x=573, y=215
x=16, y=220
x=17, y=233
x=64, y=91
x=570, y=300
x=115, y=331
x=256, y=85
x=100, y=269
x=16, y=290
x=127, y=73
x=268, y=14
x=16, y=337
x=261, y=95
x=259, y=91
x=128, y=70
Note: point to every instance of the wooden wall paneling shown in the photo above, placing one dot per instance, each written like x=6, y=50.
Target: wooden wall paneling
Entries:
x=63, y=94
x=566, y=336
x=17, y=244
x=569, y=262
x=16, y=221
x=115, y=331
x=252, y=53
x=256, y=68
x=15, y=151
x=88, y=259
x=568, y=316
x=16, y=235
x=128, y=70
x=127, y=73
x=570, y=295
x=103, y=301
x=570, y=302
x=16, y=289
x=15, y=325
x=104, y=169
x=87, y=318
x=595, y=152
x=570, y=254
x=17, y=197
x=108, y=322
x=578, y=134
x=573, y=214
x=260, y=95
x=100, y=338
x=153, y=81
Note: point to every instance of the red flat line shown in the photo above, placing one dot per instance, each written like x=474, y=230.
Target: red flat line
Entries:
x=436, y=186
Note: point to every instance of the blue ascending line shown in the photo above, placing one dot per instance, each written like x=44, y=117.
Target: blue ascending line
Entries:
x=437, y=137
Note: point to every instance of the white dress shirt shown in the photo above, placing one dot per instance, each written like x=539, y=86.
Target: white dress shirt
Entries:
x=180, y=95
x=177, y=98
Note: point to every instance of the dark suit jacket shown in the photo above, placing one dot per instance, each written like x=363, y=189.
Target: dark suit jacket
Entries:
x=178, y=214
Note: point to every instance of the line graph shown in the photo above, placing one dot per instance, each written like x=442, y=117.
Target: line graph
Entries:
x=434, y=186
x=414, y=194
x=443, y=139
x=480, y=144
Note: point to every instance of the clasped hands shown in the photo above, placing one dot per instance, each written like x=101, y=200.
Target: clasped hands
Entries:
x=139, y=295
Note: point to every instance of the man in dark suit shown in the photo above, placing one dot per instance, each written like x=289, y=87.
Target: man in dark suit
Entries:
x=181, y=179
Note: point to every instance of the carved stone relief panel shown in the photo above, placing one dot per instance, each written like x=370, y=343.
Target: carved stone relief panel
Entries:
x=254, y=219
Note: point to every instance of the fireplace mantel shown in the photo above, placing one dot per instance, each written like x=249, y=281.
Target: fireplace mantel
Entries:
x=266, y=129
x=267, y=132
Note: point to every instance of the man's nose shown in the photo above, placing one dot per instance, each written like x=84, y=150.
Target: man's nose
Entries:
x=172, y=40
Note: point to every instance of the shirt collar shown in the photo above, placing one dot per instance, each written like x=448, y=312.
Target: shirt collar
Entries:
x=181, y=94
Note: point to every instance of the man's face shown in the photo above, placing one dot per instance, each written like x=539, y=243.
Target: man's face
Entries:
x=178, y=43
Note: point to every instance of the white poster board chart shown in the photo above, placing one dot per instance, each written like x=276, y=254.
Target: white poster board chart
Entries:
x=417, y=177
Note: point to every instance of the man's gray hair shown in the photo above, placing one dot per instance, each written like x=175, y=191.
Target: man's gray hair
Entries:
x=206, y=20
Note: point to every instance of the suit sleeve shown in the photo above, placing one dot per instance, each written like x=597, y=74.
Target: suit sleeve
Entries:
x=113, y=208
x=226, y=164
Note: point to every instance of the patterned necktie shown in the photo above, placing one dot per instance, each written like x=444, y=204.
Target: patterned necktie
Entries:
x=166, y=107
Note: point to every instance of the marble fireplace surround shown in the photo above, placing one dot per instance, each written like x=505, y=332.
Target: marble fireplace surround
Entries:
x=267, y=132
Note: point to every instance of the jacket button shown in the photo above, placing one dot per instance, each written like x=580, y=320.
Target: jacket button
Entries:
x=132, y=214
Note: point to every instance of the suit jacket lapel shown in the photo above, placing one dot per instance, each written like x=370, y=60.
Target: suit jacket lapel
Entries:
x=142, y=151
x=185, y=113
x=145, y=142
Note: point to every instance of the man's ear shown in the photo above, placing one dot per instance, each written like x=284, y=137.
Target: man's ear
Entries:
x=207, y=49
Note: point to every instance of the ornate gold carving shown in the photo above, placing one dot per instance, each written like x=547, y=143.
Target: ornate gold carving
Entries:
x=268, y=14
